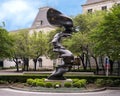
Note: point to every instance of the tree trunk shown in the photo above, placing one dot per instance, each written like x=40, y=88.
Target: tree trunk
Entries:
x=111, y=66
x=82, y=59
x=88, y=61
x=97, y=67
x=26, y=64
x=118, y=68
x=103, y=68
x=35, y=64
x=17, y=66
x=16, y=62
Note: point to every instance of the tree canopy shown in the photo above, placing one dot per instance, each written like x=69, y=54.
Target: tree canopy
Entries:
x=21, y=47
x=107, y=34
x=38, y=44
x=5, y=43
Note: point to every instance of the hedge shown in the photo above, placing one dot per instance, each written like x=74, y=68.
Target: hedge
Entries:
x=107, y=82
x=23, y=78
x=19, y=78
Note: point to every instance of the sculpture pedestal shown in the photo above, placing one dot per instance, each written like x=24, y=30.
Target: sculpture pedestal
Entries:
x=61, y=81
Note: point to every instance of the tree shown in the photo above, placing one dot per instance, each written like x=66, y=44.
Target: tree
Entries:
x=109, y=31
x=5, y=43
x=38, y=46
x=107, y=35
x=21, y=48
x=28, y=46
x=81, y=43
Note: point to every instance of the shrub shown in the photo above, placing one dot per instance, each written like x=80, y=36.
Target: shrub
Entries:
x=77, y=84
x=3, y=82
x=41, y=84
x=75, y=80
x=57, y=85
x=38, y=80
x=48, y=84
x=109, y=82
x=23, y=78
x=116, y=83
x=67, y=84
x=29, y=81
x=82, y=82
x=100, y=82
x=43, y=79
x=34, y=83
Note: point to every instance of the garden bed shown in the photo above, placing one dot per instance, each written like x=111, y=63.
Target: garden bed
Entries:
x=24, y=87
x=78, y=84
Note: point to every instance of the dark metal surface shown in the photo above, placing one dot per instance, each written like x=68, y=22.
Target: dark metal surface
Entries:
x=56, y=18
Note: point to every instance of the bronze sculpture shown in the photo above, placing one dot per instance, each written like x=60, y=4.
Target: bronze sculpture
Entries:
x=56, y=18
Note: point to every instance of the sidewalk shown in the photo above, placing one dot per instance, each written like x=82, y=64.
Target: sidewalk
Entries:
x=13, y=72
x=10, y=72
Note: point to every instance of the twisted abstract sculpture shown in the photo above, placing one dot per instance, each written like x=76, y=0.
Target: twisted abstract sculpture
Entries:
x=56, y=18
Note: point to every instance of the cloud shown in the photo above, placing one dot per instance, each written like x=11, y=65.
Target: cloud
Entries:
x=19, y=13
x=68, y=7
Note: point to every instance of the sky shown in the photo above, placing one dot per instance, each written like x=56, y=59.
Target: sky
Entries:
x=20, y=14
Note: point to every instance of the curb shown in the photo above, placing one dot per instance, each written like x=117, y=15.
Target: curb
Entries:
x=64, y=90
x=113, y=88
x=57, y=90
x=4, y=87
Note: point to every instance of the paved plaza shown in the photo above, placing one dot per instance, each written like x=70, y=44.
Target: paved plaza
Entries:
x=11, y=92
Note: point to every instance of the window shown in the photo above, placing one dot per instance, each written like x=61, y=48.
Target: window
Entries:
x=89, y=10
x=41, y=22
x=104, y=7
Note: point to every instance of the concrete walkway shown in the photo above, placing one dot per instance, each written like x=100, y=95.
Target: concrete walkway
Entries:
x=11, y=92
x=13, y=72
x=10, y=72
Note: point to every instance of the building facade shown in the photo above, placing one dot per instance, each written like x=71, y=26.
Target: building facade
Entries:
x=94, y=5
x=40, y=23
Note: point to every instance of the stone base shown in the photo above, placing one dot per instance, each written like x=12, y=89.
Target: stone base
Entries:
x=61, y=81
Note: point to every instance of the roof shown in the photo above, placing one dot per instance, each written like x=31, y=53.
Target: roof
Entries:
x=89, y=2
x=41, y=18
x=94, y=1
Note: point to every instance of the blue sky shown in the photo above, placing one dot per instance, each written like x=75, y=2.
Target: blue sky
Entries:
x=19, y=14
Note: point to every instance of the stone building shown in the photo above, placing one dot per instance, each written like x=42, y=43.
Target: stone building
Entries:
x=40, y=23
x=93, y=5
